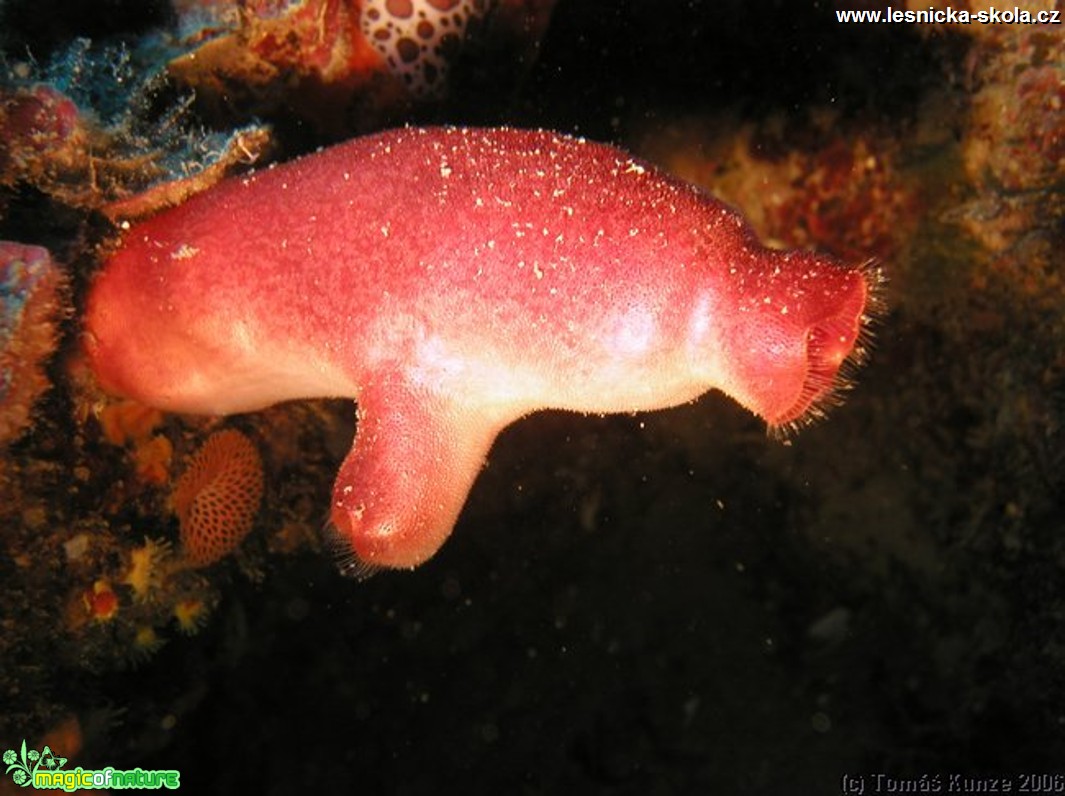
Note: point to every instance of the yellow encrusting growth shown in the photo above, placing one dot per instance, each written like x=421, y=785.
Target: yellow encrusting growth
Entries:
x=152, y=460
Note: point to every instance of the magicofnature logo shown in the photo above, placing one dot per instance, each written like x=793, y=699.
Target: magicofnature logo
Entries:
x=44, y=770
x=23, y=767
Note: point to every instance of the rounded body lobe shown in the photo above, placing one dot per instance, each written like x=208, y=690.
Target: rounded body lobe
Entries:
x=551, y=256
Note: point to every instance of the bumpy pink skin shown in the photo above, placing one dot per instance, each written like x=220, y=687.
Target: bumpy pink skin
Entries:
x=451, y=281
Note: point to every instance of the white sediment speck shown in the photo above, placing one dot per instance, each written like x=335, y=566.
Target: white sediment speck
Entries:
x=184, y=252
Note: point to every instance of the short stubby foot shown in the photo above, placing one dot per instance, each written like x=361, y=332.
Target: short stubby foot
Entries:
x=403, y=485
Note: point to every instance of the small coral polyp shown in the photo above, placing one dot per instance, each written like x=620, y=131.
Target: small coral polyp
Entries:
x=217, y=497
x=101, y=602
x=145, y=643
x=144, y=574
x=191, y=614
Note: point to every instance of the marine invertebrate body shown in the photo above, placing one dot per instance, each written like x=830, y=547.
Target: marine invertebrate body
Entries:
x=217, y=497
x=451, y=281
x=144, y=644
x=101, y=602
x=144, y=573
x=417, y=38
x=190, y=614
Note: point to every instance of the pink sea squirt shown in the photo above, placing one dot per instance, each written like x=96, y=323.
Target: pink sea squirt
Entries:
x=451, y=281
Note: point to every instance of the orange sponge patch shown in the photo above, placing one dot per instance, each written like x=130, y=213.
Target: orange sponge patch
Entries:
x=217, y=497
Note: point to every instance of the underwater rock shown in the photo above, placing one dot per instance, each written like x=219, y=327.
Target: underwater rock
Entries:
x=1014, y=143
x=77, y=150
x=818, y=182
x=347, y=64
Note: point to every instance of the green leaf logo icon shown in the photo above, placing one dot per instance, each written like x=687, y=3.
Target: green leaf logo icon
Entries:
x=23, y=764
